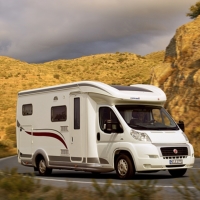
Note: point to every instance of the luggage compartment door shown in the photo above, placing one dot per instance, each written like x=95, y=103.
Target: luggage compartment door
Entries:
x=26, y=140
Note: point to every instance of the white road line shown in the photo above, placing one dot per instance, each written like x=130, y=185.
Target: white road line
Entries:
x=100, y=183
x=67, y=181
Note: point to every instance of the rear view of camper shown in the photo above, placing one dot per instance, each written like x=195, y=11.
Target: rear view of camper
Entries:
x=94, y=127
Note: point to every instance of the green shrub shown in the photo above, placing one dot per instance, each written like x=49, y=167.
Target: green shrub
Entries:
x=46, y=188
x=103, y=191
x=2, y=145
x=11, y=130
x=194, y=10
x=56, y=76
x=11, y=134
x=59, y=67
x=15, y=186
x=144, y=190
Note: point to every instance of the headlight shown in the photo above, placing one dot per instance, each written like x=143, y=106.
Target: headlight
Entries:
x=140, y=136
x=186, y=138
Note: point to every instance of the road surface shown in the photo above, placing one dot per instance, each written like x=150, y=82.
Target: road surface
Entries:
x=84, y=179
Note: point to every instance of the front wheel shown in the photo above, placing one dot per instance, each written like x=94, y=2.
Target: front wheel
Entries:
x=177, y=172
x=43, y=169
x=124, y=167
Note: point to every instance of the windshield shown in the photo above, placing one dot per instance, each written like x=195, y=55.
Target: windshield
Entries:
x=147, y=117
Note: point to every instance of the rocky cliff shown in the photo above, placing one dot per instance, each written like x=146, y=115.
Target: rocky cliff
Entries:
x=179, y=77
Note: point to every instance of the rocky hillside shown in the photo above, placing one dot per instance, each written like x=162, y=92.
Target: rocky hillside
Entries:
x=179, y=77
x=117, y=68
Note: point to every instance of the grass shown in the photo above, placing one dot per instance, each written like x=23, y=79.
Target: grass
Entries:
x=5, y=150
x=14, y=186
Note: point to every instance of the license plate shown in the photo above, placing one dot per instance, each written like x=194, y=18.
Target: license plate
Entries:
x=178, y=161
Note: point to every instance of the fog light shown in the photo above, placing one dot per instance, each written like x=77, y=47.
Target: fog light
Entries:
x=147, y=166
x=153, y=156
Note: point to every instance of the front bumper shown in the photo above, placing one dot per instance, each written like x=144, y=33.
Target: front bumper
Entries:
x=148, y=157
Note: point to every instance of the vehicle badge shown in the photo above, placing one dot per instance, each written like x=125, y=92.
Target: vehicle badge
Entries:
x=175, y=151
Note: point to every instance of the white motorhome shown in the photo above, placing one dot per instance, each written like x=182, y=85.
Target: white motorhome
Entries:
x=95, y=127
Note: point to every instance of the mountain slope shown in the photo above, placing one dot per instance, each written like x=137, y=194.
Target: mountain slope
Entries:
x=117, y=68
x=179, y=77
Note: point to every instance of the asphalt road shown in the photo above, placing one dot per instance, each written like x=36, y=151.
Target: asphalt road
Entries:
x=60, y=178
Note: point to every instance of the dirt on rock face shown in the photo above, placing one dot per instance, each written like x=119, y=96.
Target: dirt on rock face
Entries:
x=179, y=77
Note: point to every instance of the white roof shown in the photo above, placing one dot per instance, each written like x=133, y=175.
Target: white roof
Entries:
x=138, y=92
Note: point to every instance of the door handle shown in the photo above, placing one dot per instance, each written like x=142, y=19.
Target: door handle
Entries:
x=98, y=136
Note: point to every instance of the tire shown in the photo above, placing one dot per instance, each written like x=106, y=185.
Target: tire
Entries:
x=124, y=167
x=177, y=172
x=42, y=168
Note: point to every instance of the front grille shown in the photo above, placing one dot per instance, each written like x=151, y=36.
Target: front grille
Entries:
x=170, y=151
x=174, y=157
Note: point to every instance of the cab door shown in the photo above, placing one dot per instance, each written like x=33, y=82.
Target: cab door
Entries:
x=110, y=133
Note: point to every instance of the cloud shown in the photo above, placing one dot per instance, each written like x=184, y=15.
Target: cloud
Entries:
x=37, y=31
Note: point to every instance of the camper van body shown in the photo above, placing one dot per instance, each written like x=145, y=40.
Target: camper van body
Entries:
x=86, y=126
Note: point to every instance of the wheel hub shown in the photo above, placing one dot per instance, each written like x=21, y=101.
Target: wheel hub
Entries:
x=42, y=166
x=122, y=167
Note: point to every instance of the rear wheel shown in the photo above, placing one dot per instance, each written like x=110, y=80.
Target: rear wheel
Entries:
x=43, y=169
x=124, y=167
x=177, y=172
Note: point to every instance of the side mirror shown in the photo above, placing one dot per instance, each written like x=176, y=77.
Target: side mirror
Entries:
x=112, y=127
x=181, y=125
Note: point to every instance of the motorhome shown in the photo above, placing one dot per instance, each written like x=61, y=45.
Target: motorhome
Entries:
x=94, y=127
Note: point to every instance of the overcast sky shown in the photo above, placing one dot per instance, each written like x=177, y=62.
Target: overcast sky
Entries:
x=44, y=30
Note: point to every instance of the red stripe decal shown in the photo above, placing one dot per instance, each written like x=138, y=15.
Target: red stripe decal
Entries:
x=47, y=134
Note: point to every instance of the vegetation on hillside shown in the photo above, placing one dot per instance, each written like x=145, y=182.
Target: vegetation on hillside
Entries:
x=194, y=10
x=117, y=68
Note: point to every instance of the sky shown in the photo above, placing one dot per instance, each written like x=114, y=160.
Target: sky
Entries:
x=38, y=31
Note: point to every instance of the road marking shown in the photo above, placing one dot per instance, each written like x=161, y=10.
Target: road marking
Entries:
x=82, y=182
x=101, y=183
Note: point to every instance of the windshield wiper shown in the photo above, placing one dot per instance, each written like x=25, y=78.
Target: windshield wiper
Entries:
x=137, y=126
x=164, y=128
x=152, y=127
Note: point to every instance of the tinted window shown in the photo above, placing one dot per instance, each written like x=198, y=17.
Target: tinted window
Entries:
x=27, y=109
x=77, y=113
x=143, y=117
x=108, y=121
x=58, y=113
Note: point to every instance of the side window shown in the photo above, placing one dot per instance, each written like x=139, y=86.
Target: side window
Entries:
x=58, y=113
x=77, y=113
x=160, y=117
x=166, y=120
x=108, y=121
x=27, y=109
x=157, y=115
